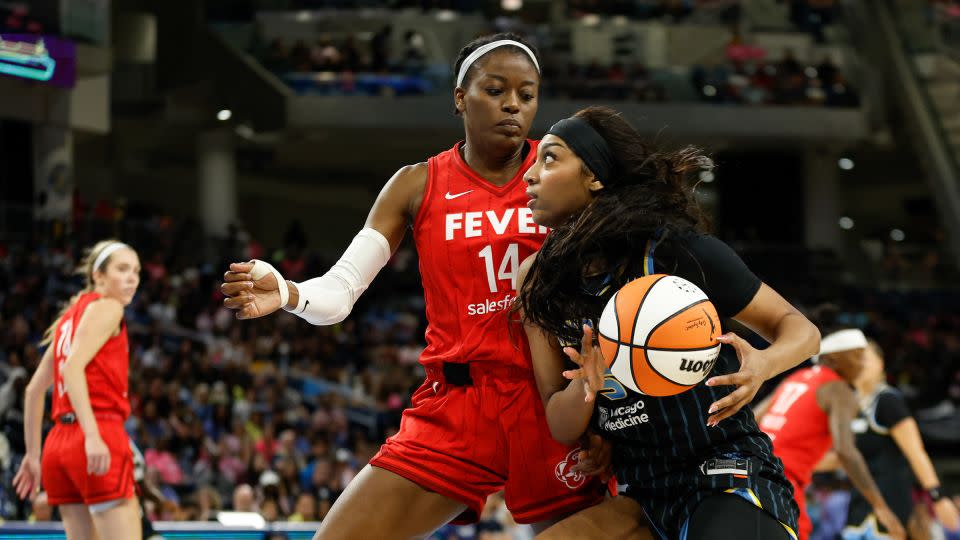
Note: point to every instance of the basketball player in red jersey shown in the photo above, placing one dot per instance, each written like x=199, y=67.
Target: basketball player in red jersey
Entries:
x=810, y=411
x=87, y=363
x=477, y=424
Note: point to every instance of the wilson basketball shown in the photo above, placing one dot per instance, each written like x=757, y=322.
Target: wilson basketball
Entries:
x=658, y=335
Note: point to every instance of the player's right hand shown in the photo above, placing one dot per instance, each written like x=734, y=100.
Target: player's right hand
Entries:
x=27, y=481
x=98, y=455
x=891, y=522
x=592, y=367
x=250, y=298
x=947, y=514
x=595, y=456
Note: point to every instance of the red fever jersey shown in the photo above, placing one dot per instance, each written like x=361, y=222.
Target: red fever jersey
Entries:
x=796, y=424
x=471, y=237
x=106, y=374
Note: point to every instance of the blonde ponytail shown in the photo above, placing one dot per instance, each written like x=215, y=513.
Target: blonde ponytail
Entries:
x=85, y=268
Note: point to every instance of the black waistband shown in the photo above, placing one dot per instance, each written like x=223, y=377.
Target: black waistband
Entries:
x=457, y=374
x=106, y=416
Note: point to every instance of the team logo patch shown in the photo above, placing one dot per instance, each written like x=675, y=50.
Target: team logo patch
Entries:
x=604, y=415
x=573, y=479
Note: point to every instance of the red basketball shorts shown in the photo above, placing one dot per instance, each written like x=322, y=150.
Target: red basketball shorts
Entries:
x=64, y=466
x=466, y=442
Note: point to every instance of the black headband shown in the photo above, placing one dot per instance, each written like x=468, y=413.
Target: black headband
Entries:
x=587, y=144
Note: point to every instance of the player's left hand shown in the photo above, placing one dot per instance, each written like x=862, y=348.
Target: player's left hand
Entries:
x=752, y=374
x=595, y=456
x=593, y=369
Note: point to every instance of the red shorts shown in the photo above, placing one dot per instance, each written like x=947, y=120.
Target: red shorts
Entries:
x=64, y=466
x=804, y=526
x=466, y=442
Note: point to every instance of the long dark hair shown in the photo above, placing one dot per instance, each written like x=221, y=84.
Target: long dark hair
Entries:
x=483, y=40
x=648, y=193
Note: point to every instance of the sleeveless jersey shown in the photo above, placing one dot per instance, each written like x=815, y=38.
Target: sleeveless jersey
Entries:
x=879, y=412
x=106, y=374
x=471, y=237
x=799, y=428
x=662, y=447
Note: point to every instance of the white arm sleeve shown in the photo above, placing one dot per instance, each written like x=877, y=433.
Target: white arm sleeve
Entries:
x=328, y=299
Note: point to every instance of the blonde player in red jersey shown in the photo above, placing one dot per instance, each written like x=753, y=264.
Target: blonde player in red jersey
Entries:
x=477, y=424
x=811, y=411
x=87, y=363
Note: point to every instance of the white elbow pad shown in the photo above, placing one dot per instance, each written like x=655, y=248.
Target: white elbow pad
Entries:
x=329, y=298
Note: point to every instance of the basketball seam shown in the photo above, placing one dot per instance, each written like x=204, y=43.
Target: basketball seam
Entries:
x=616, y=319
x=668, y=317
x=646, y=357
x=633, y=331
x=668, y=349
x=653, y=330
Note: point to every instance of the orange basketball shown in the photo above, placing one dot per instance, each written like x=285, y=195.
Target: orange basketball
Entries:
x=658, y=335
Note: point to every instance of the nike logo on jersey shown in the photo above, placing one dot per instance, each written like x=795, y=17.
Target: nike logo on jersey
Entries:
x=450, y=196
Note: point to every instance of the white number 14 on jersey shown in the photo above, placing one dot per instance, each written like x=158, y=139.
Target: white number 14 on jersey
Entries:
x=508, y=266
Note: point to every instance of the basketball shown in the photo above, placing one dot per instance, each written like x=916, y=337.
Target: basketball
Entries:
x=658, y=335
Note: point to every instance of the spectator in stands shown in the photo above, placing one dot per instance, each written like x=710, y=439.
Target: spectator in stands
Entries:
x=300, y=57
x=270, y=510
x=352, y=59
x=306, y=508
x=324, y=56
x=208, y=504
x=244, y=499
x=277, y=58
x=380, y=48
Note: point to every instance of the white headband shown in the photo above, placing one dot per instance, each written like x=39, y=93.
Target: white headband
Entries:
x=106, y=252
x=844, y=340
x=484, y=49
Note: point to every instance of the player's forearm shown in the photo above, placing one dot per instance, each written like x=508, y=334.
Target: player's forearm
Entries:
x=75, y=381
x=907, y=436
x=328, y=299
x=859, y=474
x=795, y=339
x=923, y=469
x=568, y=413
x=33, y=418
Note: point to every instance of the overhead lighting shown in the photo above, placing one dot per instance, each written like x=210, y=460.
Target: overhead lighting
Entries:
x=446, y=15
x=511, y=5
x=245, y=131
x=591, y=19
x=709, y=90
x=897, y=235
x=845, y=163
x=707, y=176
x=846, y=223
x=224, y=115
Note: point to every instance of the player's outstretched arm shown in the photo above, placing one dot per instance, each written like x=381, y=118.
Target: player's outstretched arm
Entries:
x=256, y=288
x=840, y=404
